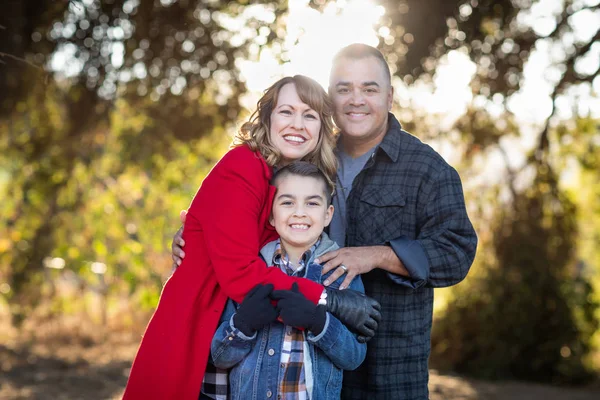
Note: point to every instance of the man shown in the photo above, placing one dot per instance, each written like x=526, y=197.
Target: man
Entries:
x=402, y=219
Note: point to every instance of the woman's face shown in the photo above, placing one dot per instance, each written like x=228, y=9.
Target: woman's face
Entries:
x=295, y=126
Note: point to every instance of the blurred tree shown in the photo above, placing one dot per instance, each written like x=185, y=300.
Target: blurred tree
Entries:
x=65, y=64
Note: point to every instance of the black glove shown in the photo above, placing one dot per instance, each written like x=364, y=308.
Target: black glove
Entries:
x=256, y=310
x=296, y=310
x=358, y=312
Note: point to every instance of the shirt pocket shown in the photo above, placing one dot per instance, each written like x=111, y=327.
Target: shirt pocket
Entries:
x=381, y=214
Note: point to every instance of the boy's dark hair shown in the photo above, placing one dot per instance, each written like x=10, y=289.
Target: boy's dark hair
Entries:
x=306, y=169
x=358, y=51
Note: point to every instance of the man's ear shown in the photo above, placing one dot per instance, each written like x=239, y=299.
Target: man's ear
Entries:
x=329, y=215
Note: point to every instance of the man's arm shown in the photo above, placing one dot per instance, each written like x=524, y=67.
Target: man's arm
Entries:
x=440, y=256
x=446, y=244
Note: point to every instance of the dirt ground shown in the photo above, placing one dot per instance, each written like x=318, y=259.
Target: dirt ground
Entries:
x=63, y=367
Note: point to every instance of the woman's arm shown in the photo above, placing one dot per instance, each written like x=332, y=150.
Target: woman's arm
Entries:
x=226, y=213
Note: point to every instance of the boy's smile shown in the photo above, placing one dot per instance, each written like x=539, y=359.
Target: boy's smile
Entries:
x=300, y=213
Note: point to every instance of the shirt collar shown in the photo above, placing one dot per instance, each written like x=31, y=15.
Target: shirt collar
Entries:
x=391, y=143
x=282, y=261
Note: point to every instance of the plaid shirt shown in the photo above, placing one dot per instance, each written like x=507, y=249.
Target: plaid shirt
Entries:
x=293, y=380
x=407, y=197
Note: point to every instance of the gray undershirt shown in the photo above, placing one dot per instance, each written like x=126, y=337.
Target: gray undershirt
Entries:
x=348, y=169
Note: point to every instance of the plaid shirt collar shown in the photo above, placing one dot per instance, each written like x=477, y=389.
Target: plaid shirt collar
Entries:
x=281, y=259
x=391, y=144
x=392, y=141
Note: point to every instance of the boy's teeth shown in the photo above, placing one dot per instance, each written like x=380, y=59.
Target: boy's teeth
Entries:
x=298, y=226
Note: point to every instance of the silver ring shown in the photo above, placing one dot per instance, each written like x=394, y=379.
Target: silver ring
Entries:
x=344, y=268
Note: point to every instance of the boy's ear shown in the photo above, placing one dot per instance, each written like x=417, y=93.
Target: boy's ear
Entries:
x=329, y=215
x=271, y=219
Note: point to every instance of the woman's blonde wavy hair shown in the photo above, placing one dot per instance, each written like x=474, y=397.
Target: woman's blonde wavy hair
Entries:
x=256, y=132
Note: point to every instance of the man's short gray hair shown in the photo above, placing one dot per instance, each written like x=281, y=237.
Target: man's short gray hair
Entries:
x=359, y=51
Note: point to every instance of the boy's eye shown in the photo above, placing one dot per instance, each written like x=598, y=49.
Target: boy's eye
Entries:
x=313, y=203
x=286, y=203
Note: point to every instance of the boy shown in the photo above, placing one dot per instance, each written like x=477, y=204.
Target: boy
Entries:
x=267, y=358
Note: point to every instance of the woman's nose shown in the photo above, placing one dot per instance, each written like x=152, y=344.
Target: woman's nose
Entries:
x=298, y=121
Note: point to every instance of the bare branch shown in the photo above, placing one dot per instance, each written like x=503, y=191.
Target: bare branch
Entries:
x=19, y=59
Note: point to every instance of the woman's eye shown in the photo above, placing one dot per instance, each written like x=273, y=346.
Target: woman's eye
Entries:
x=286, y=112
x=311, y=116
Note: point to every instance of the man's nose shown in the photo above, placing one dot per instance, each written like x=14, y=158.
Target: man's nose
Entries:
x=357, y=98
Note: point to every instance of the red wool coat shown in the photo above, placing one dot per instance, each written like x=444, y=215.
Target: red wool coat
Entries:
x=226, y=226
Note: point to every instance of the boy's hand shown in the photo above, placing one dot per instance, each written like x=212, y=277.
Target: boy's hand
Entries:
x=256, y=310
x=177, y=244
x=296, y=310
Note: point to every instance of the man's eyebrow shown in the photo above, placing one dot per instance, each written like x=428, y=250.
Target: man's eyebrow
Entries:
x=370, y=83
x=367, y=83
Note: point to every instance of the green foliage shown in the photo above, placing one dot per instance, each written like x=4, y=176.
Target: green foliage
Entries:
x=529, y=313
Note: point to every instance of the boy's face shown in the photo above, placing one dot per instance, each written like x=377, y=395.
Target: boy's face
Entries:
x=300, y=211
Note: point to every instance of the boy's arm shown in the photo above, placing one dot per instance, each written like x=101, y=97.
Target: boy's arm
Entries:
x=229, y=345
x=337, y=342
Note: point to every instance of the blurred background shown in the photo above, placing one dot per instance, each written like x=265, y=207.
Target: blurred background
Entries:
x=113, y=111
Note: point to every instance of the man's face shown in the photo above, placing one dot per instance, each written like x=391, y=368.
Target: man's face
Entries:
x=362, y=97
x=300, y=211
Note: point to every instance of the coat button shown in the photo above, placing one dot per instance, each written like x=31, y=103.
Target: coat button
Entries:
x=271, y=352
x=269, y=393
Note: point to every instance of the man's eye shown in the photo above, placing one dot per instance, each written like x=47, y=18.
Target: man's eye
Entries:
x=343, y=90
x=371, y=90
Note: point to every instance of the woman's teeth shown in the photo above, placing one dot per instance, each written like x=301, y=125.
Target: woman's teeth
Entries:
x=295, y=139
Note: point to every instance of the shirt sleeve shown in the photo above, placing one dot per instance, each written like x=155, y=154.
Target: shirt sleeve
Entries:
x=446, y=243
x=225, y=216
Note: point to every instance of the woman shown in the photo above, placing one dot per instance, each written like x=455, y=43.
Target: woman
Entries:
x=226, y=225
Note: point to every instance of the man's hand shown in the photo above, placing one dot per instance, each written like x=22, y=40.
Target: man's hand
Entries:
x=356, y=260
x=177, y=244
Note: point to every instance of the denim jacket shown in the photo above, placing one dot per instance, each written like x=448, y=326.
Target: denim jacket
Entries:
x=254, y=362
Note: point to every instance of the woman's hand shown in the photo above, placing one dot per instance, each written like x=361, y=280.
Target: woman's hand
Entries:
x=177, y=244
x=358, y=312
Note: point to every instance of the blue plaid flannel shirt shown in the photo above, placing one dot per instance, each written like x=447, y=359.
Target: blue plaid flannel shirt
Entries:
x=409, y=198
